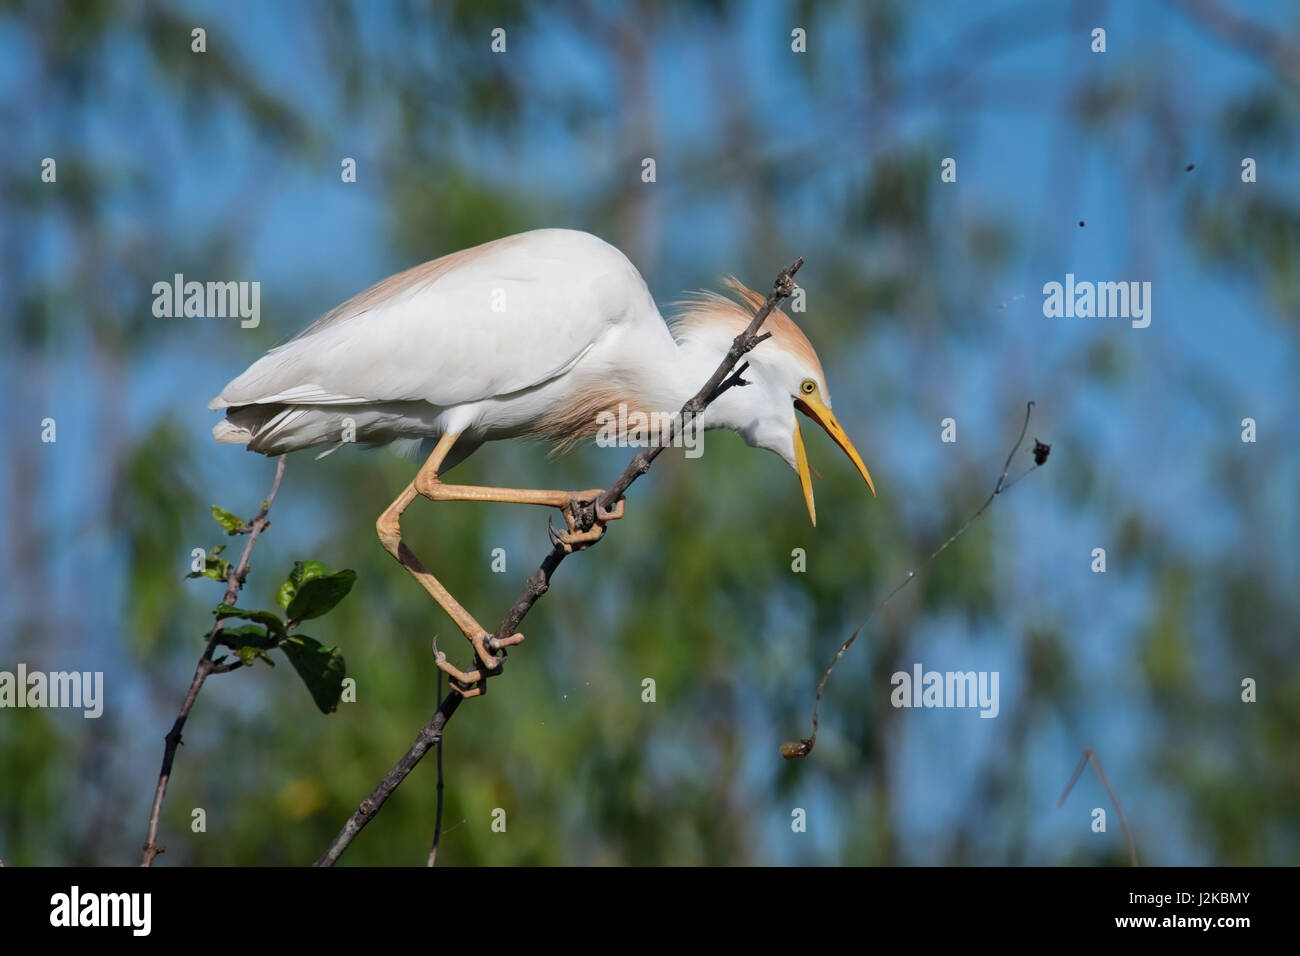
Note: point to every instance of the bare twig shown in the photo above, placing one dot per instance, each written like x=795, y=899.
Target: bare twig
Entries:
x=540, y=580
x=437, y=817
x=1090, y=757
x=736, y=378
x=793, y=750
x=428, y=736
x=782, y=289
x=235, y=577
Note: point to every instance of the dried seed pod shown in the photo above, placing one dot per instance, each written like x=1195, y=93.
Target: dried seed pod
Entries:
x=796, y=751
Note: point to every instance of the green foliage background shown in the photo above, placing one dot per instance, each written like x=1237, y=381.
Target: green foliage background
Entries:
x=924, y=301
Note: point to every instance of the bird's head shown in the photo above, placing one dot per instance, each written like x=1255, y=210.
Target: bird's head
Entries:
x=784, y=377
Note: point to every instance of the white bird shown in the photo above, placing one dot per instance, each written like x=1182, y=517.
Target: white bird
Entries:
x=547, y=333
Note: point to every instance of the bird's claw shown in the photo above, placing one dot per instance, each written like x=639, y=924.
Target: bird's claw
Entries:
x=581, y=535
x=471, y=683
x=465, y=683
x=571, y=541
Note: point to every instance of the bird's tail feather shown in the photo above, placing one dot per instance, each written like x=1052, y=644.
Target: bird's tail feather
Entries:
x=274, y=429
x=228, y=433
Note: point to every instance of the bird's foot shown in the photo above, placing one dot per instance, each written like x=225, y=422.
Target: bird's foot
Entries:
x=586, y=524
x=486, y=647
x=465, y=683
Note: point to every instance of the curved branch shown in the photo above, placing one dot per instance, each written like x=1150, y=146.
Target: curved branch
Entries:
x=797, y=750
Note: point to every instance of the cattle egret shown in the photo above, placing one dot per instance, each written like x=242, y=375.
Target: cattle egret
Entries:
x=535, y=335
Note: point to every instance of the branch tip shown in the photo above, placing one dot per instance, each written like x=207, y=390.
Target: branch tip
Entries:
x=792, y=751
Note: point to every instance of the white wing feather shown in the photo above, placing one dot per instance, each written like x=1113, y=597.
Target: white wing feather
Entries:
x=489, y=321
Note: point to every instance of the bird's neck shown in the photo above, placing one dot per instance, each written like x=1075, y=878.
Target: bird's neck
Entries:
x=680, y=373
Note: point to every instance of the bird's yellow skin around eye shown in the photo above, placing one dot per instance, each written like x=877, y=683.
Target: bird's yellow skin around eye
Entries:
x=808, y=386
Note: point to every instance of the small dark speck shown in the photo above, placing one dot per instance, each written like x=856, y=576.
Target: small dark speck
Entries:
x=1190, y=167
x=1041, y=451
x=1080, y=223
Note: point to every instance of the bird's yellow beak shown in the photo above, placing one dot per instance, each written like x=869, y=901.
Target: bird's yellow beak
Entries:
x=818, y=412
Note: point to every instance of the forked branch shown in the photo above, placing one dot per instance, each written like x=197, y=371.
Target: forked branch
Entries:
x=235, y=577
x=1090, y=757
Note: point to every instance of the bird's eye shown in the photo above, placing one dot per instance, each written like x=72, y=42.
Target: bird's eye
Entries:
x=808, y=386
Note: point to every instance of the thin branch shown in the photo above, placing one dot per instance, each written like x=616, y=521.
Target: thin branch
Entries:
x=540, y=580
x=782, y=289
x=793, y=750
x=736, y=378
x=429, y=735
x=437, y=817
x=235, y=577
x=1090, y=757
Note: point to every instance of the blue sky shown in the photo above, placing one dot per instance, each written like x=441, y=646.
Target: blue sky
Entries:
x=1151, y=440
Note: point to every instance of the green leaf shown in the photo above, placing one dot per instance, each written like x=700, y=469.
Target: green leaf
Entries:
x=249, y=635
x=249, y=643
x=319, y=596
x=217, y=570
x=232, y=523
x=269, y=618
x=213, y=567
x=322, y=669
x=245, y=634
x=248, y=654
x=303, y=571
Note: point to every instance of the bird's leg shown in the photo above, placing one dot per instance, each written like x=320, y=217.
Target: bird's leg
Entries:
x=570, y=503
x=389, y=530
x=427, y=483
